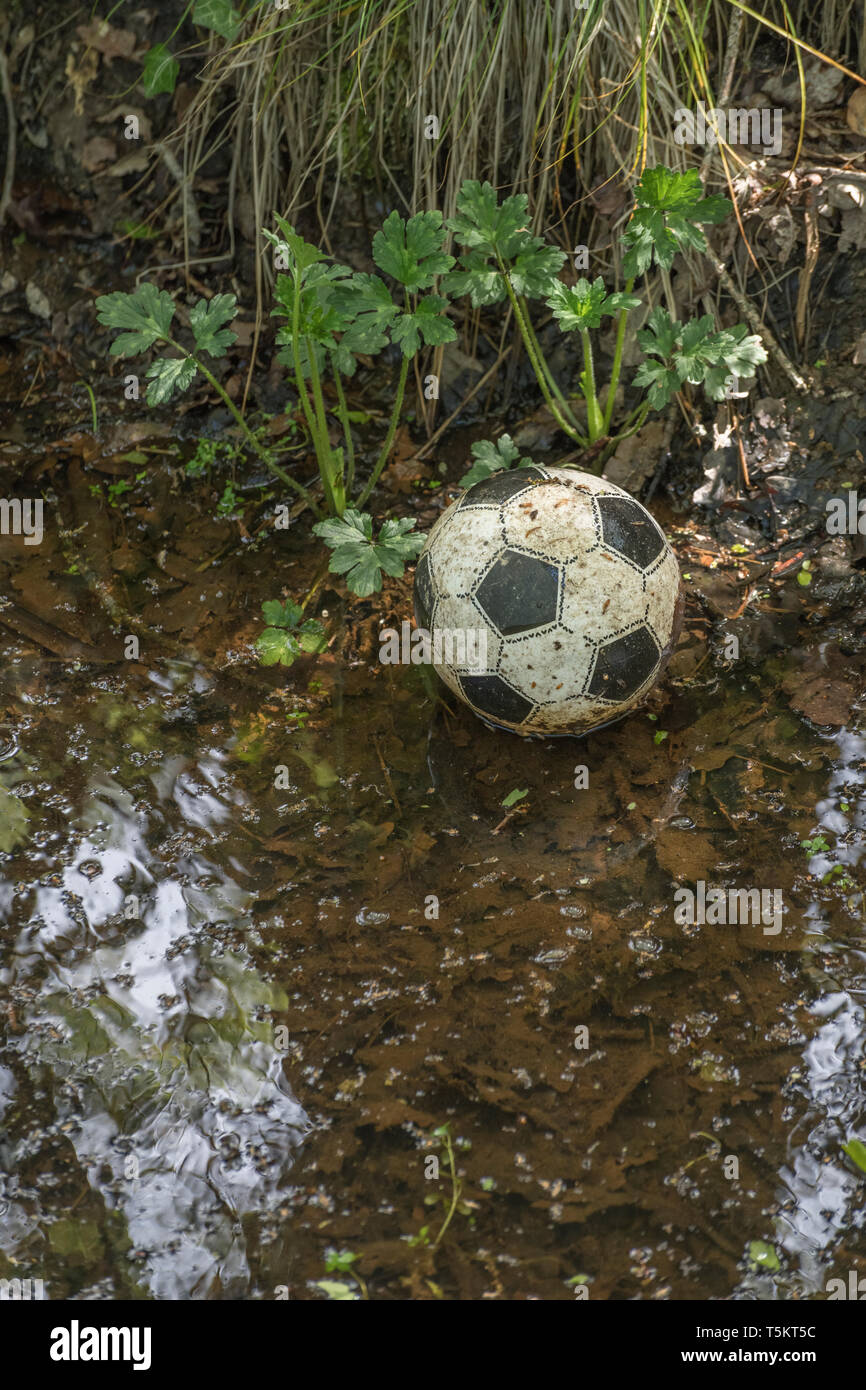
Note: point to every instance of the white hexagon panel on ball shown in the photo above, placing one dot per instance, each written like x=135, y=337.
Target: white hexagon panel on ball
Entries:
x=572, y=583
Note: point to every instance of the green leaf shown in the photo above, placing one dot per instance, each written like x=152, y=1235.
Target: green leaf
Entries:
x=535, y=268
x=856, y=1151
x=339, y=1260
x=483, y=282
x=501, y=232
x=160, y=71
x=485, y=224
x=275, y=644
x=663, y=382
x=411, y=251
x=218, y=15
x=427, y=322
x=312, y=636
x=78, y=1240
x=577, y=306
x=337, y=1292
x=278, y=614
x=298, y=254
x=206, y=319
x=763, y=1255
x=13, y=821
x=146, y=314
x=669, y=205
x=168, y=375
x=513, y=797
x=362, y=559
x=492, y=455
x=661, y=334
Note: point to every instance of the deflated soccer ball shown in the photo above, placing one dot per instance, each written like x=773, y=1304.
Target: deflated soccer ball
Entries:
x=552, y=600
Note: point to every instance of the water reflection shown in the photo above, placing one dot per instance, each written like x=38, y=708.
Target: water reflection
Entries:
x=160, y=1041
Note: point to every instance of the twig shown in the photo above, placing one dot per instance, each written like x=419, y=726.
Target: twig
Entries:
x=416, y=458
x=771, y=342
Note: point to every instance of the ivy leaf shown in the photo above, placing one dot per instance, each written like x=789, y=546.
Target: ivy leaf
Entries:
x=205, y=320
x=279, y=614
x=411, y=251
x=426, y=321
x=362, y=559
x=146, y=314
x=218, y=15
x=160, y=71
x=168, y=375
x=492, y=455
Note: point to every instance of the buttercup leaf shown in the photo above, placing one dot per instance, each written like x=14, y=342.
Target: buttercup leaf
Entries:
x=146, y=314
x=206, y=319
x=168, y=375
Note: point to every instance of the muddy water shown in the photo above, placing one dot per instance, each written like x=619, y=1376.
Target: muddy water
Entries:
x=237, y=1012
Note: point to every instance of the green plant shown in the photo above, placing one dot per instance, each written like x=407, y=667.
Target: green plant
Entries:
x=286, y=637
x=331, y=314
x=342, y=1290
x=503, y=259
x=362, y=559
x=145, y=316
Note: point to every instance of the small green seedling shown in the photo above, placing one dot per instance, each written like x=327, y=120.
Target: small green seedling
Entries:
x=286, y=637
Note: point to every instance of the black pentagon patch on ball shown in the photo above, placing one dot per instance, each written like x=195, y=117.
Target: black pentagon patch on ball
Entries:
x=424, y=594
x=623, y=665
x=493, y=491
x=629, y=529
x=493, y=696
x=519, y=593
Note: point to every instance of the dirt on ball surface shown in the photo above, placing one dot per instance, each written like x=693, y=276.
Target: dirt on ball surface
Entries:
x=552, y=599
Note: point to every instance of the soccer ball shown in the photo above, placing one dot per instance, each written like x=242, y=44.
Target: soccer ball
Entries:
x=551, y=598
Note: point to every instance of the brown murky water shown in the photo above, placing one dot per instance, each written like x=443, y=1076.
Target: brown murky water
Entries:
x=261, y=941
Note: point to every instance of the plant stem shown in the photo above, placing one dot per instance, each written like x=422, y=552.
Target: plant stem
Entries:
x=392, y=430
x=536, y=364
x=617, y=361
x=322, y=448
x=254, y=444
x=455, y=1190
x=347, y=430
x=551, y=379
x=334, y=489
x=594, y=417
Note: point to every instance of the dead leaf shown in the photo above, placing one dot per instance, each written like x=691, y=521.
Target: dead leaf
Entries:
x=110, y=42
x=824, y=702
x=97, y=152
x=856, y=112
x=685, y=854
x=81, y=75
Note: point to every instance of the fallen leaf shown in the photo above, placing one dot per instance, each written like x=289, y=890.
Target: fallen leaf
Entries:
x=110, y=42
